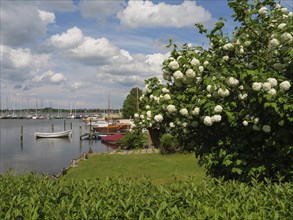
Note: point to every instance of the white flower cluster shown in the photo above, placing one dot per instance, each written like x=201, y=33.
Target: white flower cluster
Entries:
x=262, y=11
x=269, y=86
x=223, y=92
x=164, y=90
x=183, y=111
x=167, y=97
x=284, y=86
x=232, y=81
x=173, y=65
x=196, y=111
x=194, y=62
x=171, y=108
x=208, y=121
x=178, y=75
x=218, y=109
x=158, y=118
x=228, y=46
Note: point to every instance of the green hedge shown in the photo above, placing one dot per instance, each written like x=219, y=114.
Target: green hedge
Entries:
x=37, y=197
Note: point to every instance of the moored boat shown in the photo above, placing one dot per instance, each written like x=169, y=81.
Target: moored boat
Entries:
x=60, y=134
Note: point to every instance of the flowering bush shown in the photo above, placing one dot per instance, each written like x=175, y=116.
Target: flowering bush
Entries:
x=233, y=101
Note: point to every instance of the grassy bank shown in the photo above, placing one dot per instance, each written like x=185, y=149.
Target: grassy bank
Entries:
x=161, y=169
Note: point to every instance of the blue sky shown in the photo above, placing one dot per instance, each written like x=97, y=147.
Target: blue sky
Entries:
x=75, y=53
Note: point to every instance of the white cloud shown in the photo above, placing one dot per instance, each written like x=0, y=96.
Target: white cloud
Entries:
x=99, y=9
x=49, y=77
x=22, y=22
x=61, y=5
x=47, y=17
x=69, y=39
x=94, y=50
x=147, y=14
x=19, y=64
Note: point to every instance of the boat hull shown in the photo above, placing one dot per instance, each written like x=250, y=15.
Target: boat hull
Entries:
x=61, y=134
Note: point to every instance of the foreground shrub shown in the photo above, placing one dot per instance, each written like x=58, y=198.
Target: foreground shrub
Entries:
x=168, y=144
x=37, y=197
x=132, y=140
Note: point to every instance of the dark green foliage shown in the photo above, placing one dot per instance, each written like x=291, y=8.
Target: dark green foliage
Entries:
x=37, y=197
x=131, y=102
x=133, y=140
x=168, y=144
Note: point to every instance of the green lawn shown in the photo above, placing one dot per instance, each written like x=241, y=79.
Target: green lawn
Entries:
x=160, y=169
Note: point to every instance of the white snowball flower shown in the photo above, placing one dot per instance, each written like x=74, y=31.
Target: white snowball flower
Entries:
x=208, y=121
x=149, y=114
x=216, y=118
x=284, y=86
x=190, y=73
x=178, y=74
x=136, y=115
x=272, y=92
x=256, y=86
x=256, y=120
x=167, y=97
x=266, y=128
x=206, y=63
x=189, y=45
x=262, y=11
x=201, y=69
x=241, y=87
x=164, y=90
x=247, y=43
x=183, y=111
x=158, y=118
x=151, y=96
x=196, y=111
x=284, y=10
x=228, y=46
x=209, y=87
x=286, y=37
x=171, y=108
x=274, y=42
x=194, y=62
x=225, y=58
x=281, y=26
x=218, y=109
x=223, y=92
x=245, y=123
x=147, y=107
x=290, y=14
x=173, y=65
x=266, y=86
x=273, y=82
x=142, y=116
x=232, y=81
x=242, y=96
x=171, y=125
x=184, y=124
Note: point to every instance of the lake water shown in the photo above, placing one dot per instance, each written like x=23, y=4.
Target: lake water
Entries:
x=42, y=155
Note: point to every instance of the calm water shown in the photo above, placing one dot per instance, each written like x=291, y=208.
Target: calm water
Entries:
x=42, y=155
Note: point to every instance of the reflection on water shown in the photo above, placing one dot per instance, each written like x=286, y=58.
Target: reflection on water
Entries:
x=43, y=155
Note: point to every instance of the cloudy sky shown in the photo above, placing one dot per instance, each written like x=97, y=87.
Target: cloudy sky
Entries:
x=66, y=53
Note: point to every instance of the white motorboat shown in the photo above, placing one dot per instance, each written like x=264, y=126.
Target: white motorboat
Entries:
x=60, y=134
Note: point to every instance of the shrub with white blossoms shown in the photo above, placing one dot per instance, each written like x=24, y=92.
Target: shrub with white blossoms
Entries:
x=238, y=93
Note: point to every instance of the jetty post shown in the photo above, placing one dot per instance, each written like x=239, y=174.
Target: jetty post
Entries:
x=80, y=131
x=64, y=125
x=52, y=127
x=71, y=125
x=21, y=133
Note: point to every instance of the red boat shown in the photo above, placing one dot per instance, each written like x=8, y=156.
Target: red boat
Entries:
x=112, y=139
